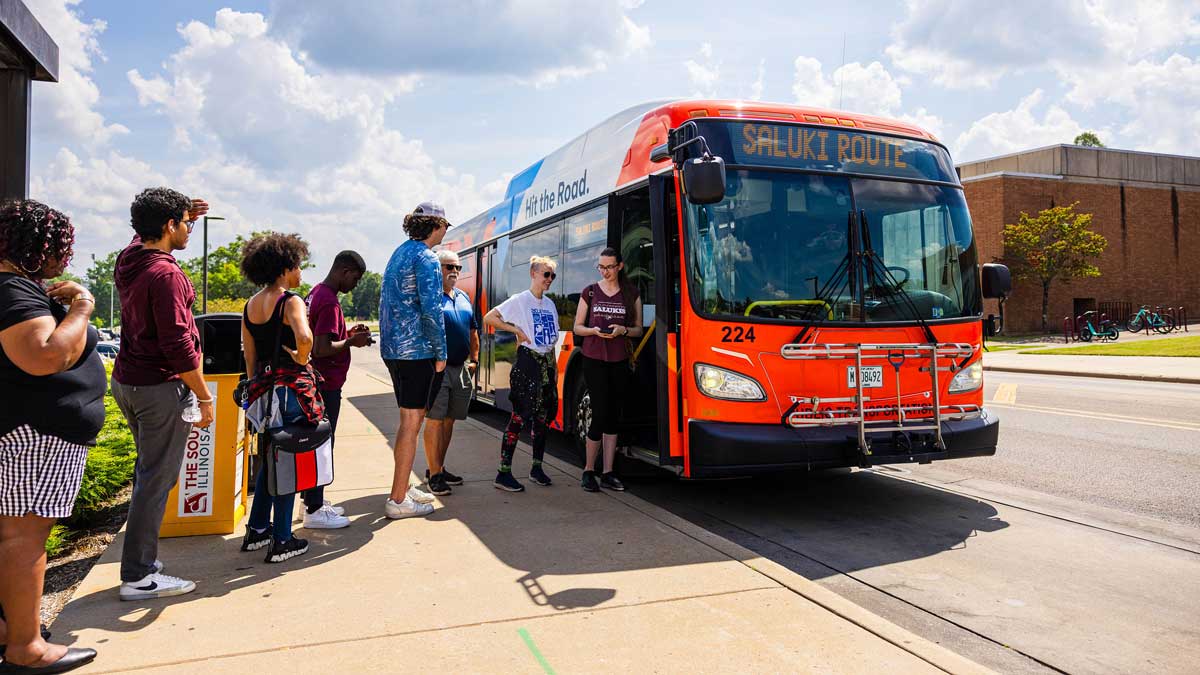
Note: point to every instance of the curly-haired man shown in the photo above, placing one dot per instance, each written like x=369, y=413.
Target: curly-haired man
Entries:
x=413, y=344
x=156, y=376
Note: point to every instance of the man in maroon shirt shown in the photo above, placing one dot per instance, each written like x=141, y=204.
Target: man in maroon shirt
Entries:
x=156, y=376
x=331, y=358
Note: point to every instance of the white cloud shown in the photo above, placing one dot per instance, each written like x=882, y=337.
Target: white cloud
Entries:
x=756, y=89
x=1018, y=129
x=290, y=147
x=67, y=108
x=703, y=72
x=855, y=87
x=972, y=44
x=537, y=42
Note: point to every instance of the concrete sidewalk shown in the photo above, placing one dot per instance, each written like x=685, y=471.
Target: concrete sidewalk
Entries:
x=550, y=580
x=1147, y=368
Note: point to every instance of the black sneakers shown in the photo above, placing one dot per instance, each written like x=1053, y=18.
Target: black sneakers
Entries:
x=285, y=550
x=537, y=475
x=505, y=481
x=589, y=483
x=438, y=484
x=609, y=481
x=451, y=479
x=255, y=540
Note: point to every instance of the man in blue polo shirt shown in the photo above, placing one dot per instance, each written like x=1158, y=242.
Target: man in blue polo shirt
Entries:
x=454, y=395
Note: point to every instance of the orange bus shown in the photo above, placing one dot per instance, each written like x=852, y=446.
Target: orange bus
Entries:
x=811, y=287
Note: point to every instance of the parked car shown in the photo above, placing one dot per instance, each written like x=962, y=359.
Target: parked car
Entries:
x=108, y=349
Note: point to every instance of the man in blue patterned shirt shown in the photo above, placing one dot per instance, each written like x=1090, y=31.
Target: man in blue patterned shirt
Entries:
x=413, y=344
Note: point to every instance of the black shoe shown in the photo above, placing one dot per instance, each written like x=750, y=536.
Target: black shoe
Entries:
x=437, y=485
x=505, y=481
x=589, y=482
x=451, y=479
x=537, y=475
x=256, y=540
x=285, y=550
x=74, y=658
x=610, y=482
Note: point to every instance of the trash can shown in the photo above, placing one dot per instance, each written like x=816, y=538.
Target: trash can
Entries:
x=210, y=497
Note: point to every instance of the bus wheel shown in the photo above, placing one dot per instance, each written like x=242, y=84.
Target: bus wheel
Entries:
x=581, y=406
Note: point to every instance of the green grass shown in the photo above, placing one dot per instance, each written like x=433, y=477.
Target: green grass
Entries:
x=1183, y=346
x=108, y=470
x=1004, y=348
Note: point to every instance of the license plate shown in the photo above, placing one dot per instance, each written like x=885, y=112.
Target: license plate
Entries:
x=872, y=377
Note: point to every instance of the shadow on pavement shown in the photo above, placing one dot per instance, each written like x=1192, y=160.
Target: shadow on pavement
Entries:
x=818, y=524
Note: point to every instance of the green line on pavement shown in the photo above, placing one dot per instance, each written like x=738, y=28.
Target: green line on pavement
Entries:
x=533, y=648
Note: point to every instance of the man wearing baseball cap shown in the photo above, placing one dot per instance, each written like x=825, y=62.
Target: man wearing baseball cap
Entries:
x=412, y=336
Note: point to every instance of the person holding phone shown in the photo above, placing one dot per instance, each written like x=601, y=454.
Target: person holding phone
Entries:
x=532, y=316
x=608, y=314
x=331, y=357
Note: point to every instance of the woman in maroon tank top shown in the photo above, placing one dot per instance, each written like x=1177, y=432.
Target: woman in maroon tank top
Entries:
x=609, y=313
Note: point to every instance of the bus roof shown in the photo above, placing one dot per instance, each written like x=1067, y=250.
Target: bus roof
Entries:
x=616, y=152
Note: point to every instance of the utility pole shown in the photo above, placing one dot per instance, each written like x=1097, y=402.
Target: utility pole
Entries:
x=204, y=274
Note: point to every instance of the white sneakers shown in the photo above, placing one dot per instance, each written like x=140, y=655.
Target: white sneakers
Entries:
x=302, y=510
x=409, y=508
x=418, y=495
x=156, y=585
x=325, y=518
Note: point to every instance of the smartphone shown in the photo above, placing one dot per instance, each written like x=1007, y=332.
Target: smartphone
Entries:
x=607, y=330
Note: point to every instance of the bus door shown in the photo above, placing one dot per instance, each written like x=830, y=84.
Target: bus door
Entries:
x=484, y=292
x=664, y=233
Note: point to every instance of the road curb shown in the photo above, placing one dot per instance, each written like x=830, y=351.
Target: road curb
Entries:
x=1110, y=376
x=926, y=650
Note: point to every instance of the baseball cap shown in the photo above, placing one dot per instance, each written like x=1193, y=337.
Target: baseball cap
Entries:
x=429, y=209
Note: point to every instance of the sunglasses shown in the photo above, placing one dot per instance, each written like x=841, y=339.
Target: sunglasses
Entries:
x=455, y=268
x=549, y=275
x=603, y=268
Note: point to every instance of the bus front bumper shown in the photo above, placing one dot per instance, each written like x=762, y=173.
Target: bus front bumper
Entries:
x=733, y=449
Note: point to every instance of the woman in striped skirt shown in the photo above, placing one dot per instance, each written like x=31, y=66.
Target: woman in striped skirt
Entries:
x=53, y=385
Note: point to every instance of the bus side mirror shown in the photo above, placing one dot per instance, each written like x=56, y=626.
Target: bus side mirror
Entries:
x=704, y=179
x=660, y=153
x=997, y=282
x=992, y=325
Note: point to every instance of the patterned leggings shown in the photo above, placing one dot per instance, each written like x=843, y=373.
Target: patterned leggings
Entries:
x=537, y=436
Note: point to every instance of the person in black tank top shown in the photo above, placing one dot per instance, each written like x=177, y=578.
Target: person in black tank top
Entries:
x=273, y=261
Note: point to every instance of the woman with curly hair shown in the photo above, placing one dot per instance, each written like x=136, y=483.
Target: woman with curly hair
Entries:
x=277, y=316
x=47, y=353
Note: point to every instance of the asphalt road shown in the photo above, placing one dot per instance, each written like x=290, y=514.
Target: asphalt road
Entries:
x=1075, y=549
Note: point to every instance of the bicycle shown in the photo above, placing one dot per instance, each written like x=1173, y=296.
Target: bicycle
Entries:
x=1147, y=319
x=1107, y=331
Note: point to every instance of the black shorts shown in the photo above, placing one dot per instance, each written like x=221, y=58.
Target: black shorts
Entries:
x=415, y=382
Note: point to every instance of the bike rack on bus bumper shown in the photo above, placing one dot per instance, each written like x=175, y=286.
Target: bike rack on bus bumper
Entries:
x=921, y=415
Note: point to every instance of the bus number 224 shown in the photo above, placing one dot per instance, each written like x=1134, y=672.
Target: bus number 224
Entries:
x=737, y=334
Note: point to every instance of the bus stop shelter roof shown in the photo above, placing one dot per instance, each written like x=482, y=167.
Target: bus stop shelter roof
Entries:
x=25, y=44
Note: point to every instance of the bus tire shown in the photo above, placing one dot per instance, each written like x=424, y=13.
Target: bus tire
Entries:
x=581, y=415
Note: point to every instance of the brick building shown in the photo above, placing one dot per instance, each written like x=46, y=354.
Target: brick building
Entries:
x=1147, y=206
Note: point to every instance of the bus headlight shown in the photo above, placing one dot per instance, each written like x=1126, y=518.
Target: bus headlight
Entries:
x=967, y=379
x=726, y=384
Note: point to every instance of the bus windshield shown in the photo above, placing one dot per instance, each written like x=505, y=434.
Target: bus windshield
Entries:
x=781, y=245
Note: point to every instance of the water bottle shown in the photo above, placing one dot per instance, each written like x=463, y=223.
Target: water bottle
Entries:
x=191, y=414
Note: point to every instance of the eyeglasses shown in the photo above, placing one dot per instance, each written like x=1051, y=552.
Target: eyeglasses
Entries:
x=549, y=275
x=604, y=268
x=191, y=225
x=455, y=268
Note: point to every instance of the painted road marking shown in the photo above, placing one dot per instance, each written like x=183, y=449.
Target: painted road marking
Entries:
x=1006, y=393
x=1108, y=417
x=537, y=654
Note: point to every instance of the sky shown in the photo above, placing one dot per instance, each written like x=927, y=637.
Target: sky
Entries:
x=334, y=120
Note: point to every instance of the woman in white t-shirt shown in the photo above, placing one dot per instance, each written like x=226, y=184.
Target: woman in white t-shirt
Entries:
x=533, y=392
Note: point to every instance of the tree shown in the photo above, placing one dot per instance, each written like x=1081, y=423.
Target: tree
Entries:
x=225, y=278
x=1056, y=244
x=99, y=280
x=1088, y=139
x=363, y=302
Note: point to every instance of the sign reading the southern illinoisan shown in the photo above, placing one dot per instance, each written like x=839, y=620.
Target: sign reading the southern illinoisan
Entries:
x=829, y=149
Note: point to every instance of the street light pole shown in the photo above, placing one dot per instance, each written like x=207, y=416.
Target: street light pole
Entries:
x=204, y=273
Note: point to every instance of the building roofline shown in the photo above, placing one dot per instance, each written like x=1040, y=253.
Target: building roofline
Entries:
x=21, y=29
x=1072, y=145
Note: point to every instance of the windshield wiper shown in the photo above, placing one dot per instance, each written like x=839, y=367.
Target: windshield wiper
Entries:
x=875, y=265
x=844, y=275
